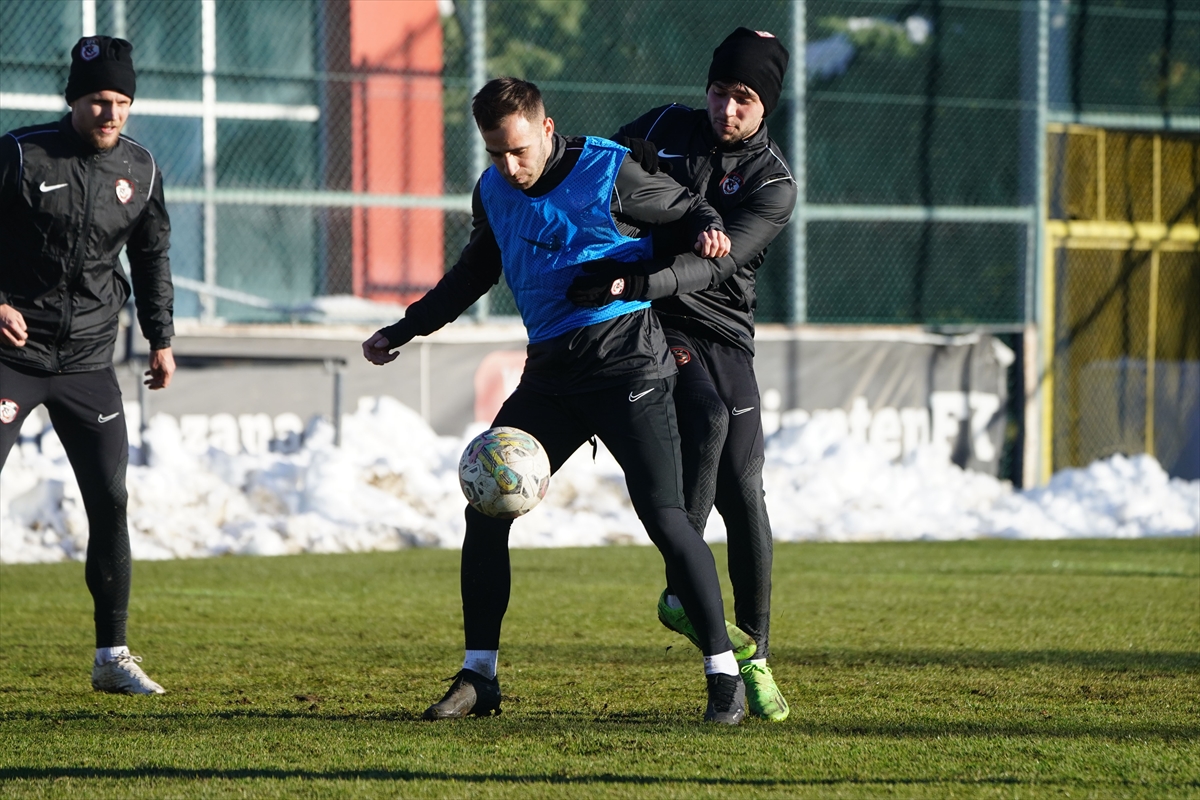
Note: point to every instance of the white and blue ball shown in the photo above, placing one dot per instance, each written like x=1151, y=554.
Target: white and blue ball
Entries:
x=504, y=472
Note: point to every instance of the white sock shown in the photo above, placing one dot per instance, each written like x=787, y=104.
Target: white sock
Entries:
x=482, y=661
x=758, y=662
x=721, y=664
x=673, y=602
x=107, y=654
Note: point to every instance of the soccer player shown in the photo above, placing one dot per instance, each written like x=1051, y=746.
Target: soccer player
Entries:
x=72, y=194
x=546, y=204
x=725, y=153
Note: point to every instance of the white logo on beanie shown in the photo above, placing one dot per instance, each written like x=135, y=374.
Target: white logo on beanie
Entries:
x=89, y=50
x=765, y=34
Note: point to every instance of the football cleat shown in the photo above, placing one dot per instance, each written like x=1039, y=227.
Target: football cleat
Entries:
x=762, y=695
x=676, y=619
x=122, y=675
x=471, y=694
x=726, y=699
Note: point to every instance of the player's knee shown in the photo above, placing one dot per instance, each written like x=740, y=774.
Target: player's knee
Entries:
x=482, y=525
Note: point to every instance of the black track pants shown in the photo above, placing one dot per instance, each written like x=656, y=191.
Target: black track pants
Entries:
x=637, y=424
x=720, y=427
x=85, y=409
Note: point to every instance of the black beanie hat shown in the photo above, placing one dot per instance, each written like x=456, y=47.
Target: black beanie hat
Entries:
x=101, y=63
x=755, y=58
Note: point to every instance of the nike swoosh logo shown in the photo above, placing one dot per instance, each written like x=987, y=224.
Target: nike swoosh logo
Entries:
x=633, y=398
x=46, y=188
x=555, y=243
x=102, y=418
x=665, y=154
x=739, y=411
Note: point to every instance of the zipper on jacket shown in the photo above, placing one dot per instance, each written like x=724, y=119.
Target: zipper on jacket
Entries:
x=68, y=315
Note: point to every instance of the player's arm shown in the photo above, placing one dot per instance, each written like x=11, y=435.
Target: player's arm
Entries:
x=477, y=270
x=10, y=172
x=751, y=227
x=153, y=291
x=645, y=200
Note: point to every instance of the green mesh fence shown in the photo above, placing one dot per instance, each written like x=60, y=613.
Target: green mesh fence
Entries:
x=296, y=140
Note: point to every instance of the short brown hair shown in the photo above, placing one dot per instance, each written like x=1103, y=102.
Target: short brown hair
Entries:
x=502, y=97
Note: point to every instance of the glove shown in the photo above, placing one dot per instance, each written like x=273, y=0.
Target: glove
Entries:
x=645, y=153
x=607, y=280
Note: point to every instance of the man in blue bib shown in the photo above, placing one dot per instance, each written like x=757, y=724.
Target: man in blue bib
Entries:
x=548, y=204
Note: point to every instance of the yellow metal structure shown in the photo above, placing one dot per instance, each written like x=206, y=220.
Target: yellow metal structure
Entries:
x=1121, y=293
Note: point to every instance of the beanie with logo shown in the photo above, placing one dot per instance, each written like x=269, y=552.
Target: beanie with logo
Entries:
x=101, y=63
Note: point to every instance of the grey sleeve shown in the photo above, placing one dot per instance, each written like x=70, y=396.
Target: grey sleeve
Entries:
x=150, y=269
x=642, y=199
x=751, y=227
x=10, y=188
x=477, y=270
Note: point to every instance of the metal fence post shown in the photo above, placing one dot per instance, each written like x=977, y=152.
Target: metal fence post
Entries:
x=208, y=139
x=479, y=157
x=337, y=367
x=799, y=162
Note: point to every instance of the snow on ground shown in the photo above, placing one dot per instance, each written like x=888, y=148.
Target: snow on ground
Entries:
x=394, y=484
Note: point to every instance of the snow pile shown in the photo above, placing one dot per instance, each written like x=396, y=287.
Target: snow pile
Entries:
x=394, y=484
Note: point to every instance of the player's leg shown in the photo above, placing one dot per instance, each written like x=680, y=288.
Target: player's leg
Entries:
x=21, y=391
x=485, y=573
x=86, y=411
x=741, y=502
x=637, y=424
x=703, y=424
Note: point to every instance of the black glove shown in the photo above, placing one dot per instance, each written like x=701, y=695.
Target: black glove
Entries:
x=645, y=153
x=607, y=280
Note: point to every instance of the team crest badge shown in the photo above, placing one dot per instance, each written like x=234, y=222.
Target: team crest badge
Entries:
x=682, y=356
x=90, y=49
x=124, y=190
x=8, y=411
x=732, y=183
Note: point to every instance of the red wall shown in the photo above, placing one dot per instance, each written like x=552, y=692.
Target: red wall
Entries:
x=397, y=134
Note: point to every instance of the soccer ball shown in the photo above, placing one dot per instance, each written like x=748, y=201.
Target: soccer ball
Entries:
x=504, y=472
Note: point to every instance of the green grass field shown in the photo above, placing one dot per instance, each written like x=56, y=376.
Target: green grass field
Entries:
x=973, y=669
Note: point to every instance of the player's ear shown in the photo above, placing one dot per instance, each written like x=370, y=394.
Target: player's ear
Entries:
x=547, y=126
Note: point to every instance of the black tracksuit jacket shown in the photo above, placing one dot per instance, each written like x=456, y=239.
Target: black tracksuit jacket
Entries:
x=629, y=347
x=66, y=210
x=751, y=186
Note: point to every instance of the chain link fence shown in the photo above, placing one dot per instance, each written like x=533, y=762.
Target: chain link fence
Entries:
x=325, y=147
x=1125, y=364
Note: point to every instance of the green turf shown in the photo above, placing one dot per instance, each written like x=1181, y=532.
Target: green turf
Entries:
x=973, y=669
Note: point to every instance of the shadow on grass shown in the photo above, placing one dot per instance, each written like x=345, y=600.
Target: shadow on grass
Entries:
x=405, y=776
x=1106, y=660
x=567, y=723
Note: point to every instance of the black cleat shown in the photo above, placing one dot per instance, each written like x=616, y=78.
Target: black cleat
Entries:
x=471, y=694
x=726, y=699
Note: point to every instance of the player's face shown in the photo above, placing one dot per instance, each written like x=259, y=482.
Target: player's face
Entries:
x=735, y=111
x=99, y=117
x=519, y=148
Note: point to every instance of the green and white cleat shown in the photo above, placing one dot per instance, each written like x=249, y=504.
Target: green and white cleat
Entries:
x=676, y=619
x=763, y=698
x=122, y=675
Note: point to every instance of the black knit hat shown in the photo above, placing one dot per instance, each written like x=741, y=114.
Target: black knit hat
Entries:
x=755, y=58
x=101, y=63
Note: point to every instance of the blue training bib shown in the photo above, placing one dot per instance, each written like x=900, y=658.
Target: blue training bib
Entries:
x=543, y=239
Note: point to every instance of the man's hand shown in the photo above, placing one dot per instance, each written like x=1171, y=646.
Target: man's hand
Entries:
x=607, y=280
x=376, y=349
x=712, y=244
x=12, y=325
x=162, y=367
